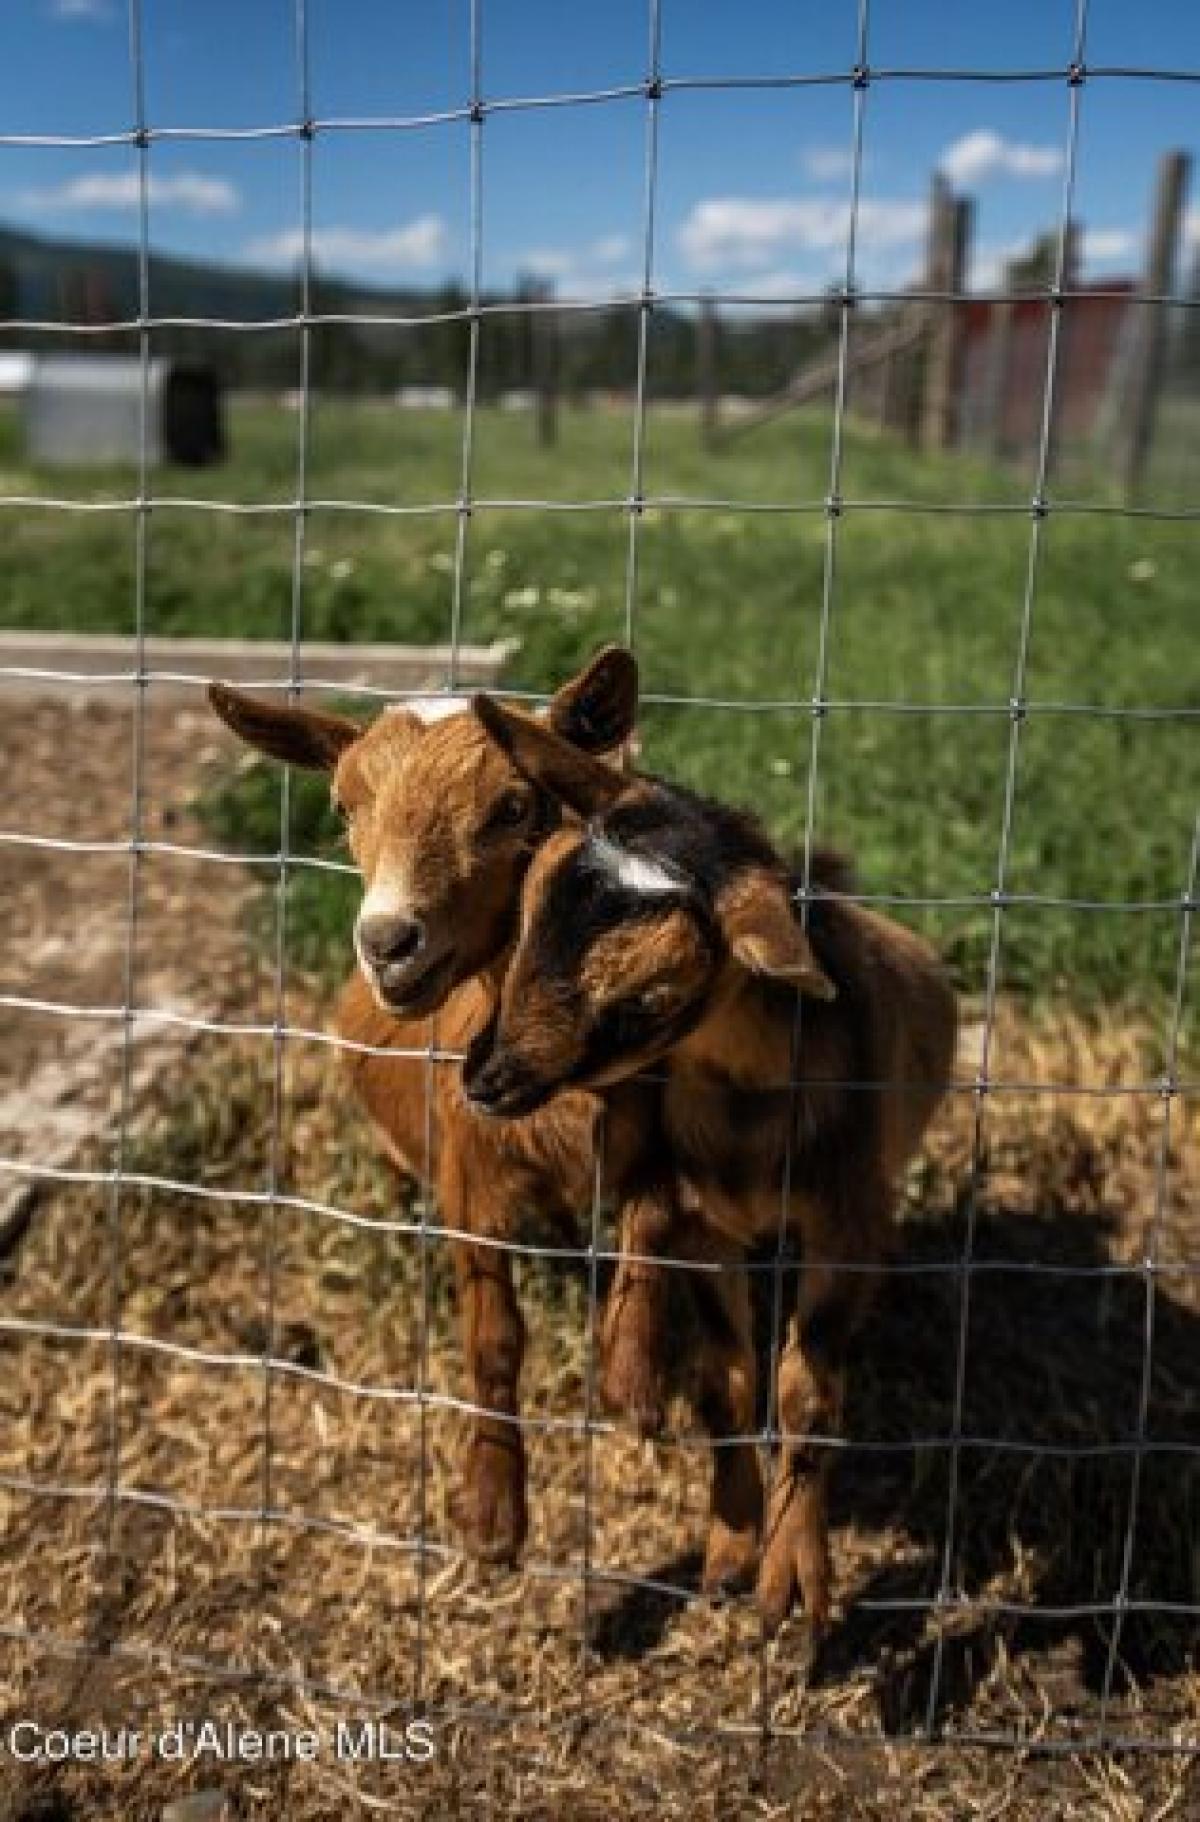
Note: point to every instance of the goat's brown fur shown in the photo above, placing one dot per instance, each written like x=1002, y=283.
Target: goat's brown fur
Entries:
x=725, y=1146
x=421, y=799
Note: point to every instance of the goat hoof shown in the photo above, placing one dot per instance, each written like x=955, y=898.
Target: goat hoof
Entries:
x=795, y=1563
x=775, y=1593
x=730, y=1560
x=494, y=1515
x=649, y=1420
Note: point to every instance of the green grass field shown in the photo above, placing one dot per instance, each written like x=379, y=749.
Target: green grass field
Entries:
x=926, y=610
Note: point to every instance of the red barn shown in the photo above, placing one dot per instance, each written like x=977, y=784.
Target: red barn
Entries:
x=1007, y=361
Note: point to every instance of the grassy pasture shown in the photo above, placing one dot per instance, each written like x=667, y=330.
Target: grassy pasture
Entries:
x=926, y=611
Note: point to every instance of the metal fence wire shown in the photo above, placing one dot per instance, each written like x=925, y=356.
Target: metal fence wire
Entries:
x=808, y=698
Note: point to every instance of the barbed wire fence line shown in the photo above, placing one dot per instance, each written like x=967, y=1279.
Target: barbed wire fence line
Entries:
x=151, y=512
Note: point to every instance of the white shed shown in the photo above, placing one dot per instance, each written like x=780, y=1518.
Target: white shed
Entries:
x=87, y=408
x=16, y=371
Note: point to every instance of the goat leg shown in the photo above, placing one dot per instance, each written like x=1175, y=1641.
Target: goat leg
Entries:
x=726, y=1402
x=632, y=1377
x=493, y=1504
x=810, y=1400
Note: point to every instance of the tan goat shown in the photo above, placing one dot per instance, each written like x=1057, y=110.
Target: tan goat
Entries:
x=792, y=1074
x=443, y=827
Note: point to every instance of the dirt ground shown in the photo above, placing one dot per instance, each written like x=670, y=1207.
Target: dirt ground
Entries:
x=69, y=766
x=595, y=1681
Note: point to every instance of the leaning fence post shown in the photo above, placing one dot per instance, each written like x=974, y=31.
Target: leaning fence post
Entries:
x=1158, y=277
x=1072, y=248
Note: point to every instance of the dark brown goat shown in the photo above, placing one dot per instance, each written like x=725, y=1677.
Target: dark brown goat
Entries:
x=795, y=1070
x=443, y=827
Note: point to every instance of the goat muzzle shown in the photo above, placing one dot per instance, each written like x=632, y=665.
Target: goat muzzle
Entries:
x=496, y=1082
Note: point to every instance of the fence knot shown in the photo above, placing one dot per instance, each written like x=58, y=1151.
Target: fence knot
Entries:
x=860, y=76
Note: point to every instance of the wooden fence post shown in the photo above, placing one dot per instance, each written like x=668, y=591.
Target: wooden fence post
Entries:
x=885, y=403
x=707, y=391
x=1146, y=365
x=951, y=220
x=545, y=366
x=993, y=419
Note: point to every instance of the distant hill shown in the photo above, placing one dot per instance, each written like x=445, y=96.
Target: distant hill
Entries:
x=58, y=281
x=55, y=279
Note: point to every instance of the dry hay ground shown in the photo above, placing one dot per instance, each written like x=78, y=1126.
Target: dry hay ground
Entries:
x=674, y=1691
x=667, y=1682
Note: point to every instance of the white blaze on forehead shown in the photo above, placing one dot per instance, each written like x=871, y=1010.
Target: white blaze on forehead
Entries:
x=439, y=708
x=636, y=872
x=435, y=708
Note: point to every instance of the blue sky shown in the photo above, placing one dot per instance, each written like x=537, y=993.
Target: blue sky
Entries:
x=752, y=185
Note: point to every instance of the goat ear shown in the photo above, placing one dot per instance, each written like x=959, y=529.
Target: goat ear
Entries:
x=577, y=779
x=765, y=935
x=596, y=710
x=300, y=737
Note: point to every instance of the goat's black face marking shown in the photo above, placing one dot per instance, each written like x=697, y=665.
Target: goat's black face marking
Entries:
x=622, y=941
x=615, y=957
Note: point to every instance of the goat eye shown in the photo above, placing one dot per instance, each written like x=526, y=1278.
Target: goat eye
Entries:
x=509, y=811
x=653, y=1001
x=656, y=999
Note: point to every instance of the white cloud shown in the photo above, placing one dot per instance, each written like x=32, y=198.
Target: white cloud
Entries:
x=421, y=242
x=100, y=11
x=744, y=233
x=1100, y=246
x=782, y=281
x=591, y=271
x=189, y=191
x=1108, y=244
x=1191, y=228
x=611, y=248
x=827, y=163
x=985, y=153
x=568, y=262
x=549, y=262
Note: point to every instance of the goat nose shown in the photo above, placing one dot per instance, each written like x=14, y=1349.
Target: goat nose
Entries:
x=385, y=939
x=484, y=1070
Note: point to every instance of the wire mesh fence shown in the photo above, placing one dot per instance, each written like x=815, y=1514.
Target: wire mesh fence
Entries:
x=811, y=704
